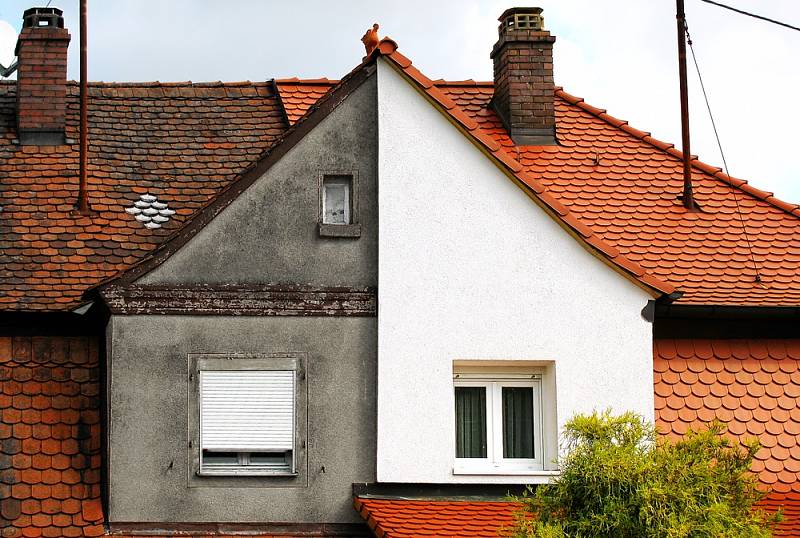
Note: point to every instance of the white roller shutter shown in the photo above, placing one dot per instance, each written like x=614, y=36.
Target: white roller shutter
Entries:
x=247, y=411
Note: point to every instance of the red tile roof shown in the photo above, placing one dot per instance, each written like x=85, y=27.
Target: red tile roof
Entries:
x=298, y=95
x=181, y=142
x=507, y=158
x=753, y=386
x=396, y=518
x=622, y=184
x=49, y=437
x=790, y=504
x=613, y=187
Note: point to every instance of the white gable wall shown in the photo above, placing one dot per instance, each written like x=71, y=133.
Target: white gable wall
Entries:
x=470, y=268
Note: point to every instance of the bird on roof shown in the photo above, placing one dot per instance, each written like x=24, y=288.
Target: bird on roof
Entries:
x=371, y=39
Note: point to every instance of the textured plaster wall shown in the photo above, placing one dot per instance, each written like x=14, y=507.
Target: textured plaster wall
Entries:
x=472, y=269
x=268, y=234
x=148, y=423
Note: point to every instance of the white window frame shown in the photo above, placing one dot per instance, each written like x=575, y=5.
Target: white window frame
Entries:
x=347, y=182
x=494, y=462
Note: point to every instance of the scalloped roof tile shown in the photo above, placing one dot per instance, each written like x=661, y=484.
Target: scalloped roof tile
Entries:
x=752, y=386
x=181, y=142
x=398, y=518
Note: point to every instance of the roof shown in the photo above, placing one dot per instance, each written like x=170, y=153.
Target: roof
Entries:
x=622, y=184
x=611, y=186
x=180, y=142
x=50, y=437
x=752, y=386
x=397, y=518
x=299, y=95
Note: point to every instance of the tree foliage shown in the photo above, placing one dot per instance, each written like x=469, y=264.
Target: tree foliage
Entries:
x=617, y=480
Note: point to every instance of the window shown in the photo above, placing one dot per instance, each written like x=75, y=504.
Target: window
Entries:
x=247, y=421
x=338, y=205
x=498, y=422
x=247, y=418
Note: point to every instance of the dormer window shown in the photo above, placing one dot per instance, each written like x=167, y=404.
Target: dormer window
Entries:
x=338, y=205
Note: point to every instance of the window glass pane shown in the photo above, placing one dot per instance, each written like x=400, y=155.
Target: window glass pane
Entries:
x=337, y=202
x=518, y=422
x=470, y=422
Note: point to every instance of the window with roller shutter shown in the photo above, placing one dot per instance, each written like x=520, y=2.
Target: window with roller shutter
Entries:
x=247, y=415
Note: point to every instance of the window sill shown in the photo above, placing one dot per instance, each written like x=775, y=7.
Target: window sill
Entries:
x=340, y=230
x=502, y=471
x=229, y=472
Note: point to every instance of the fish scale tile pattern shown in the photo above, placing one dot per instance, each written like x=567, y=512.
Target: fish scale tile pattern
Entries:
x=49, y=437
x=403, y=518
x=623, y=184
x=752, y=386
x=298, y=96
x=181, y=142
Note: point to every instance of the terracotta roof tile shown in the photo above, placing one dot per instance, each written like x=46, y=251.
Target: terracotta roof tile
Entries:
x=748, y=385
x=298, y=95
x=182, y=142
x=622, y=184
x=185, y=142
x=397, y=518
x=515, y=165
x=50, y=439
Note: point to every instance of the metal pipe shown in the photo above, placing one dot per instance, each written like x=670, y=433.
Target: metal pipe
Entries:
x=83, y=197
x=688, y=197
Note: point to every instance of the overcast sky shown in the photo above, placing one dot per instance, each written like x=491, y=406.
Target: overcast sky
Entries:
x=617, y=54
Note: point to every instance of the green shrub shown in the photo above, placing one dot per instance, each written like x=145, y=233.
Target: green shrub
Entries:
x=617, y=480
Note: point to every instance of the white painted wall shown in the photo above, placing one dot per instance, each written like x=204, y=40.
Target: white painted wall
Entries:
x=471, y=269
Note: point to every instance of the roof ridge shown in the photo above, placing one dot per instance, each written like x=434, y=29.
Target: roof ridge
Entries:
x=310, y=81
x=466, y=82
x=388, y=48
x=170, y=84
x=670, y=149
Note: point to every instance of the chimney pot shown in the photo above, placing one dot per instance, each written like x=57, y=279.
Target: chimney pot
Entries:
x=523, y=77
x=42, y=77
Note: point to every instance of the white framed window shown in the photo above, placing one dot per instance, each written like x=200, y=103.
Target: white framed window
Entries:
x=247, y=416
x=337, y=199
x=498, y=423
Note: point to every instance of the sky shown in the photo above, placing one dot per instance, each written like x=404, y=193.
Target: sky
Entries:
x=620, y=55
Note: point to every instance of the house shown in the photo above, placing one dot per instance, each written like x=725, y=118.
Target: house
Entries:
x=293, y=297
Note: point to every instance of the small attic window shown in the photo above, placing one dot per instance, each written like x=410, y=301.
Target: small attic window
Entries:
x=336, y=208
x=338, y=216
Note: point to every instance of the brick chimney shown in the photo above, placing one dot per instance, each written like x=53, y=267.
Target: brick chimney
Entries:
x=42, y=77
x=523, y=77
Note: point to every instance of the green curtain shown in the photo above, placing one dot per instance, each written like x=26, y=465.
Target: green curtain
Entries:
x=470, y=422
x=518, y=422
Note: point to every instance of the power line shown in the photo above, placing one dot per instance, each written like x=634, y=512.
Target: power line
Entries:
x=742, y=12
x=722, y=153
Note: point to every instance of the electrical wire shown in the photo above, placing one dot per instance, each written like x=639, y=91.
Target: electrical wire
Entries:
x=721, y=152
x=742, y=12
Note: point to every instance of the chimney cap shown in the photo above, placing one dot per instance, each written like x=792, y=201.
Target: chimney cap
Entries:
x=37, y=17
x=522, y=18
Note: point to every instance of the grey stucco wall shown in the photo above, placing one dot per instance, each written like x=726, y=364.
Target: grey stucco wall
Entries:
x=148, y=424
x=268, y=235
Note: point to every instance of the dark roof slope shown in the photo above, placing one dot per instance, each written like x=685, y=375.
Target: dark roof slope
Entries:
x=179, y=142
